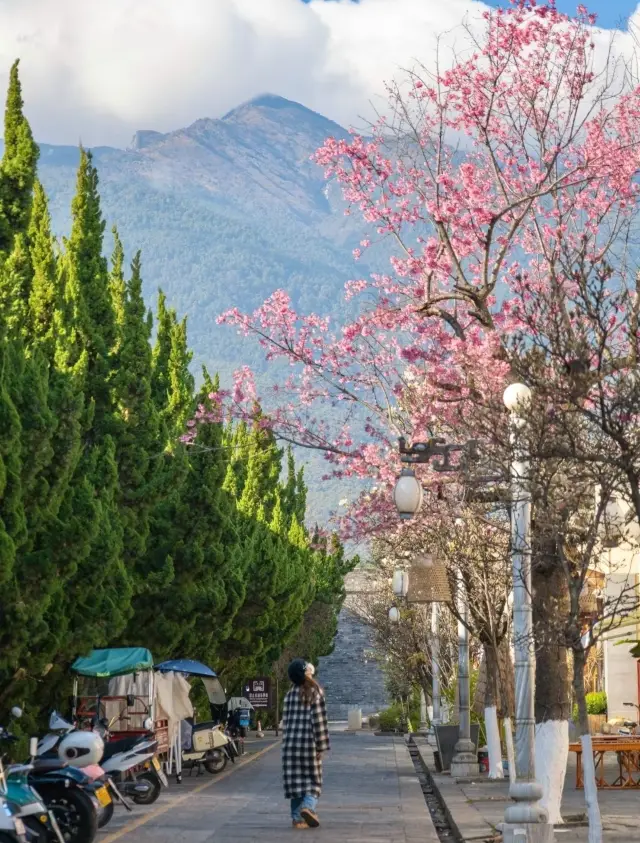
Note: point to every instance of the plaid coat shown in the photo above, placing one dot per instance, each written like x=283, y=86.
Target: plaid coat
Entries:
x=306, y=733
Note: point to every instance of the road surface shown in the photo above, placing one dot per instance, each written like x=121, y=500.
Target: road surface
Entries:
x=371, y=795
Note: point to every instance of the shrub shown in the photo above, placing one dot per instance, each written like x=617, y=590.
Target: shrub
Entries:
x=389, y=719
x=596, y=704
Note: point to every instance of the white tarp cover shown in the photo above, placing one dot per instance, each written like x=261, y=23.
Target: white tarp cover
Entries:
x=214, y=690
x=172, y=701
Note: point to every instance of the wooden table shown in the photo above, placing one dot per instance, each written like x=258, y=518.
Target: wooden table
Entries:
x=628, y=756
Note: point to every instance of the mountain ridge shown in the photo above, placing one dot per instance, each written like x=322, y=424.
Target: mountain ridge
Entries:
x=226, y=211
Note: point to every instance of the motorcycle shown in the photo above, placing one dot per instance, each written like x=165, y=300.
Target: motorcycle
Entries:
x=206, y=746
x=119, y=761
x=25, y=815
x=12, y=828
x=133, y=765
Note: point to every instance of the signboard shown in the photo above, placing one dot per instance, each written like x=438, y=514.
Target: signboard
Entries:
x=258, y=692
x=428, y=581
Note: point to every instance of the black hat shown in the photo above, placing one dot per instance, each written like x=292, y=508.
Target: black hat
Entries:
x=296, y=671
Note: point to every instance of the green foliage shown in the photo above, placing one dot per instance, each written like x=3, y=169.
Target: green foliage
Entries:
x=112, y=531
x=596, y=704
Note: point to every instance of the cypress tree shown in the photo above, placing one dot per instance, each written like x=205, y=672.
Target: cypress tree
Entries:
x=45, y=295
x=18, y=167
x=138, y=441
x=118, y=288
x=165, y=323
x=97, y=613
x=88, y=279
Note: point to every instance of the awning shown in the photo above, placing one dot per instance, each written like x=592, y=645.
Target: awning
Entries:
x=114, y=662
x=186, y=666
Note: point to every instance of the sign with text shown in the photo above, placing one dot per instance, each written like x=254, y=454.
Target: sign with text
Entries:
x=258, y=692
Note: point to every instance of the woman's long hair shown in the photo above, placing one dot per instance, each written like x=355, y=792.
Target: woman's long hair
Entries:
x=309, y=691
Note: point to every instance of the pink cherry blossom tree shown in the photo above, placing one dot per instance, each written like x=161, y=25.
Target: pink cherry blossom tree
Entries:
x=524, y=144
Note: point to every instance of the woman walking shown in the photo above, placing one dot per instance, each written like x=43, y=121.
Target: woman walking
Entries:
x=305, y=739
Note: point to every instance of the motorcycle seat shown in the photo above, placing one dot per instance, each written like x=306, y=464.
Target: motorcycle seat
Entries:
x=208, y=724
x=123, y=745
x=48, y=765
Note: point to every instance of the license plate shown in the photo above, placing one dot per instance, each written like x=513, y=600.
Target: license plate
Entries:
x=20, y=829
x=156, y=763
x=103, y=797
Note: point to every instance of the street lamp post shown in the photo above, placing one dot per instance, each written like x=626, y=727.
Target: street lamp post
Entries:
x=525, y=820
x=435, y=666
x=408, y=498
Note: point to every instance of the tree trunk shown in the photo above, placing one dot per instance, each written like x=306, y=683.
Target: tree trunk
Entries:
x=588, y=767
x=491, y=699
x=553, y=686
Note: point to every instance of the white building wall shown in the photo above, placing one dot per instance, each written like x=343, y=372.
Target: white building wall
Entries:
x=620, y=667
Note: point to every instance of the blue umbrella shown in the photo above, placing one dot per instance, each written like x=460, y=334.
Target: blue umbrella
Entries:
x=187, y=666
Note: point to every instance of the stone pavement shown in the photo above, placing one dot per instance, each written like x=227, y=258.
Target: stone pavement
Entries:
x=371, y=795
x=477, y=807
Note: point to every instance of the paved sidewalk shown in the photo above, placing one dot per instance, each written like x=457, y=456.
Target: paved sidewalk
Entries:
x=477, y=807
x=371, y=795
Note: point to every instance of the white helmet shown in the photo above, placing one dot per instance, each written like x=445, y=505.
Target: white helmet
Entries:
x=81, y=749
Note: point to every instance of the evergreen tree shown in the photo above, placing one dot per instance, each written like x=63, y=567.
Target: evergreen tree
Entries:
x=138, y=442
x=88, y=280
x=165, y=323
x=45, y=295
x=97, y=596
x=118, y=287
x=15, y=282
x=18, y=167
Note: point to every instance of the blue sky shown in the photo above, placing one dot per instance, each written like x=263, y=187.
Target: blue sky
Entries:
x=610, y=12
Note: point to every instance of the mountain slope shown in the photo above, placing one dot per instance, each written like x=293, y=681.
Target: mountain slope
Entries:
x=225, y=211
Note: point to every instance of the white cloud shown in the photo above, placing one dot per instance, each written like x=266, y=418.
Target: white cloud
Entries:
x=100, y=69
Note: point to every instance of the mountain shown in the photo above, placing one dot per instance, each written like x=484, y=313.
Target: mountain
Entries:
x=225, y=211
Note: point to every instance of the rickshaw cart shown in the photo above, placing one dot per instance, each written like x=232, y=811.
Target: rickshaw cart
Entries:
x=131, y=695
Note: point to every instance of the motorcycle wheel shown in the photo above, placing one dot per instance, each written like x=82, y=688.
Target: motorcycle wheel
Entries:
x=74, y=811
x=106, y=815
x=36, y=832
x=215, y=761
x=150, y=797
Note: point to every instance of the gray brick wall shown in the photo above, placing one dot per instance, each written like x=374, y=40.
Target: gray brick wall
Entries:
x=351, y=676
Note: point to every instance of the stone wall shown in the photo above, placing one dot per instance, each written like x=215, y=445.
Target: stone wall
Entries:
x=351, y=676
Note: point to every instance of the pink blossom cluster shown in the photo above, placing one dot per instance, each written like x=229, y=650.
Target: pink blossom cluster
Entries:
x=543, y=181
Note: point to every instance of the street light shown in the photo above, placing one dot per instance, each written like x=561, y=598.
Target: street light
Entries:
x=408, y=498
x=400, y=583
x=408, y=494
x=525, y=820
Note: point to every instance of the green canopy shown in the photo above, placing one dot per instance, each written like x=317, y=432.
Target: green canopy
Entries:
x=118, y=662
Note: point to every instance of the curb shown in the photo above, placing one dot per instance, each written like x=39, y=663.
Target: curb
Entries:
x=490, y=834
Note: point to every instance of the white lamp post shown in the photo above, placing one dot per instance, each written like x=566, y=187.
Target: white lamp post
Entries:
x=525, y=821
x=400, y=583
x=407, y=494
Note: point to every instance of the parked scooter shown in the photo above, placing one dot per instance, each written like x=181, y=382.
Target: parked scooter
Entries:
x=206, y=746
x=12, y=828
x=129, y=765
x=25, y=815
